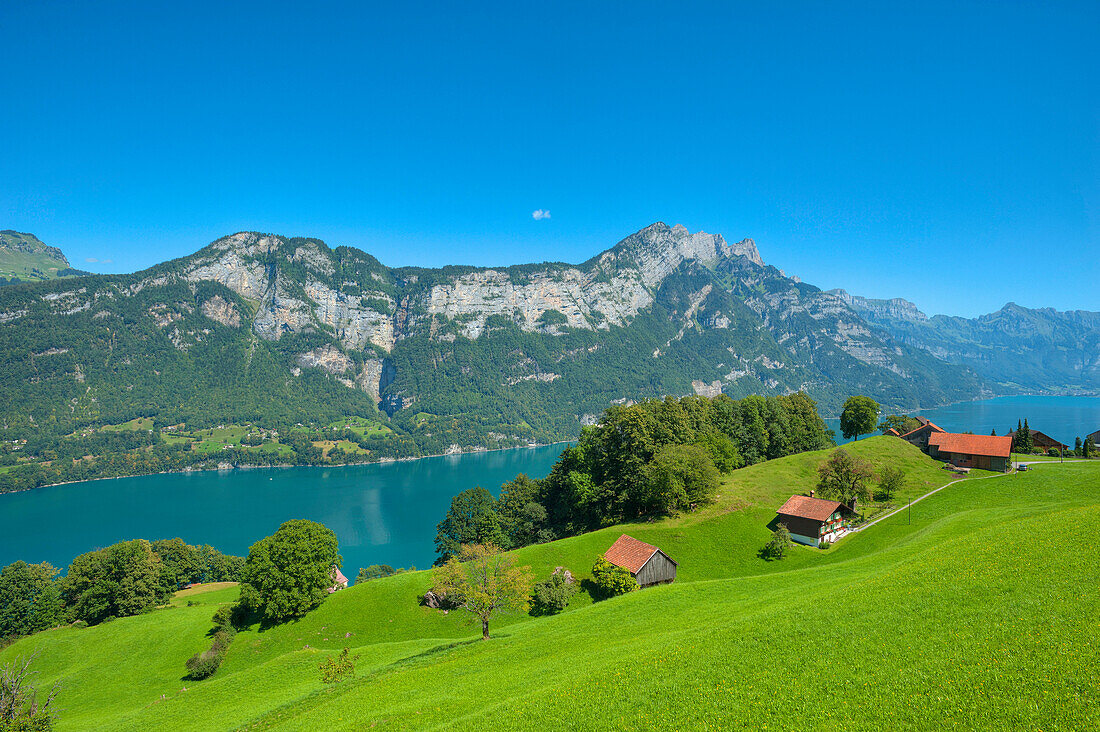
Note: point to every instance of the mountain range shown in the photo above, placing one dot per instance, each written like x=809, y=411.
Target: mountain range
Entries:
x=264, y=328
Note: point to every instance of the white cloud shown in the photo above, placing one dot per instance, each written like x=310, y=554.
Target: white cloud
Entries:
x=90, y=260
x=540, y=214
x=93, y=260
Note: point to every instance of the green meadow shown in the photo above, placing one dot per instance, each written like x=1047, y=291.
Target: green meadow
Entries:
x=978, y=611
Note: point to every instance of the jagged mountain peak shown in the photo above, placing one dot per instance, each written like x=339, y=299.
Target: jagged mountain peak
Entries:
x=661, y=241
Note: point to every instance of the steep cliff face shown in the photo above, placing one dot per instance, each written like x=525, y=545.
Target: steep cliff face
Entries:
x=882, y=311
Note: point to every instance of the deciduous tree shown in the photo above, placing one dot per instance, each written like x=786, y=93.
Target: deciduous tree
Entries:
x=471, y=519
x=611, y=579
x=780, y=543
x=482, y=581
x=843, y=477
x=859, y=416
x=288, y=573
x=890, y=482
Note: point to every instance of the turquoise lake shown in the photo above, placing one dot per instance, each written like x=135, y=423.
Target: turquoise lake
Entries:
x=1062, y=417
x=383, y=513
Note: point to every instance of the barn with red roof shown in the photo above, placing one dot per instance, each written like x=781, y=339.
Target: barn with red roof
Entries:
x=648, y=564
x=985, y=452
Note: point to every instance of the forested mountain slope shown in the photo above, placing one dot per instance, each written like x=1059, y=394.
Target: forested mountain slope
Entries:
x=275, y=330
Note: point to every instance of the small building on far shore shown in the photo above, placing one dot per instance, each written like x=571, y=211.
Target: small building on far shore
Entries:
x=985, y=452
x=812, y=521
x=648, y=564
x=339, y=581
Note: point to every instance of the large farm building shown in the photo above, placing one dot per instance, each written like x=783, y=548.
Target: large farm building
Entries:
x=985, y=452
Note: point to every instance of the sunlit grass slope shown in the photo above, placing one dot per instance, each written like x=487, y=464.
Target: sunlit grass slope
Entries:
x=980, y=613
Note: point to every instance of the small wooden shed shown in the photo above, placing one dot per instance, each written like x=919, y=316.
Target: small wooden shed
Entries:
x=648, y=564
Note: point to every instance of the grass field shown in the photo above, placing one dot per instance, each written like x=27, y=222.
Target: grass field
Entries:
x=138, y=424
x=361, y=426
x=982, y=613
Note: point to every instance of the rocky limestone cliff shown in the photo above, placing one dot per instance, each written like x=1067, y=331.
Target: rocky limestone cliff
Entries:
x=607, y=291
x=881, y=310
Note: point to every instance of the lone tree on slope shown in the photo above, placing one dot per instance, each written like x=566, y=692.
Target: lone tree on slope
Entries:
x=843, y=477
x=482, y=581
x=859, y=417
x=288, y=574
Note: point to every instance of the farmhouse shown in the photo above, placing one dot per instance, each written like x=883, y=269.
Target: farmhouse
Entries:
x=648, y=564
x=919, y=436
x=339, y=581
x=1041, y=441
x=985, y=452
x=892, y=432
x=812, y=521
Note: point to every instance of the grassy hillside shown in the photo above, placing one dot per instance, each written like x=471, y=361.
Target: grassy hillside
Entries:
x=26, y=259
x=981, y=613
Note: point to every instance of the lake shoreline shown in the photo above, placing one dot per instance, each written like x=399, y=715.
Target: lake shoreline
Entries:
x=231, y=468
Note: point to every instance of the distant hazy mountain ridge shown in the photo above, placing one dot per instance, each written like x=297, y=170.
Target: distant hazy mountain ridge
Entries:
x=1020, y=349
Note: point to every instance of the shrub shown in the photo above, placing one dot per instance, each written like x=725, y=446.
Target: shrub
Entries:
x=223, y=616
x=1053, y=452
x=335, y=668
x=824, y=545
x=780, y=543
x=612, y=580
x=203, y=665
x=553, y=595
x=374, y=571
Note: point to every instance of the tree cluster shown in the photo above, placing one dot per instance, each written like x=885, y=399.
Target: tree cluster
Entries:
x=653, y=458
x=123, y=579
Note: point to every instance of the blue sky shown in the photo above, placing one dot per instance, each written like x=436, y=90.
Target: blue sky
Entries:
x=948, y=153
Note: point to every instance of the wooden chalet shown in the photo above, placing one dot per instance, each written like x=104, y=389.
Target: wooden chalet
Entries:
x=892, y=432
x=985, y=452
x=339, y=581
x=920, y=435
x=812, y=521
x=648, y=564
x=1041, y=441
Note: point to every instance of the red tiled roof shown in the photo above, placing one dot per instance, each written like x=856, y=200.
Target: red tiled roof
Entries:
x=935, y=428
x=893, y=432
x=816, y=509
x=629, y=553
x=338, y=576
x=987, y=445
